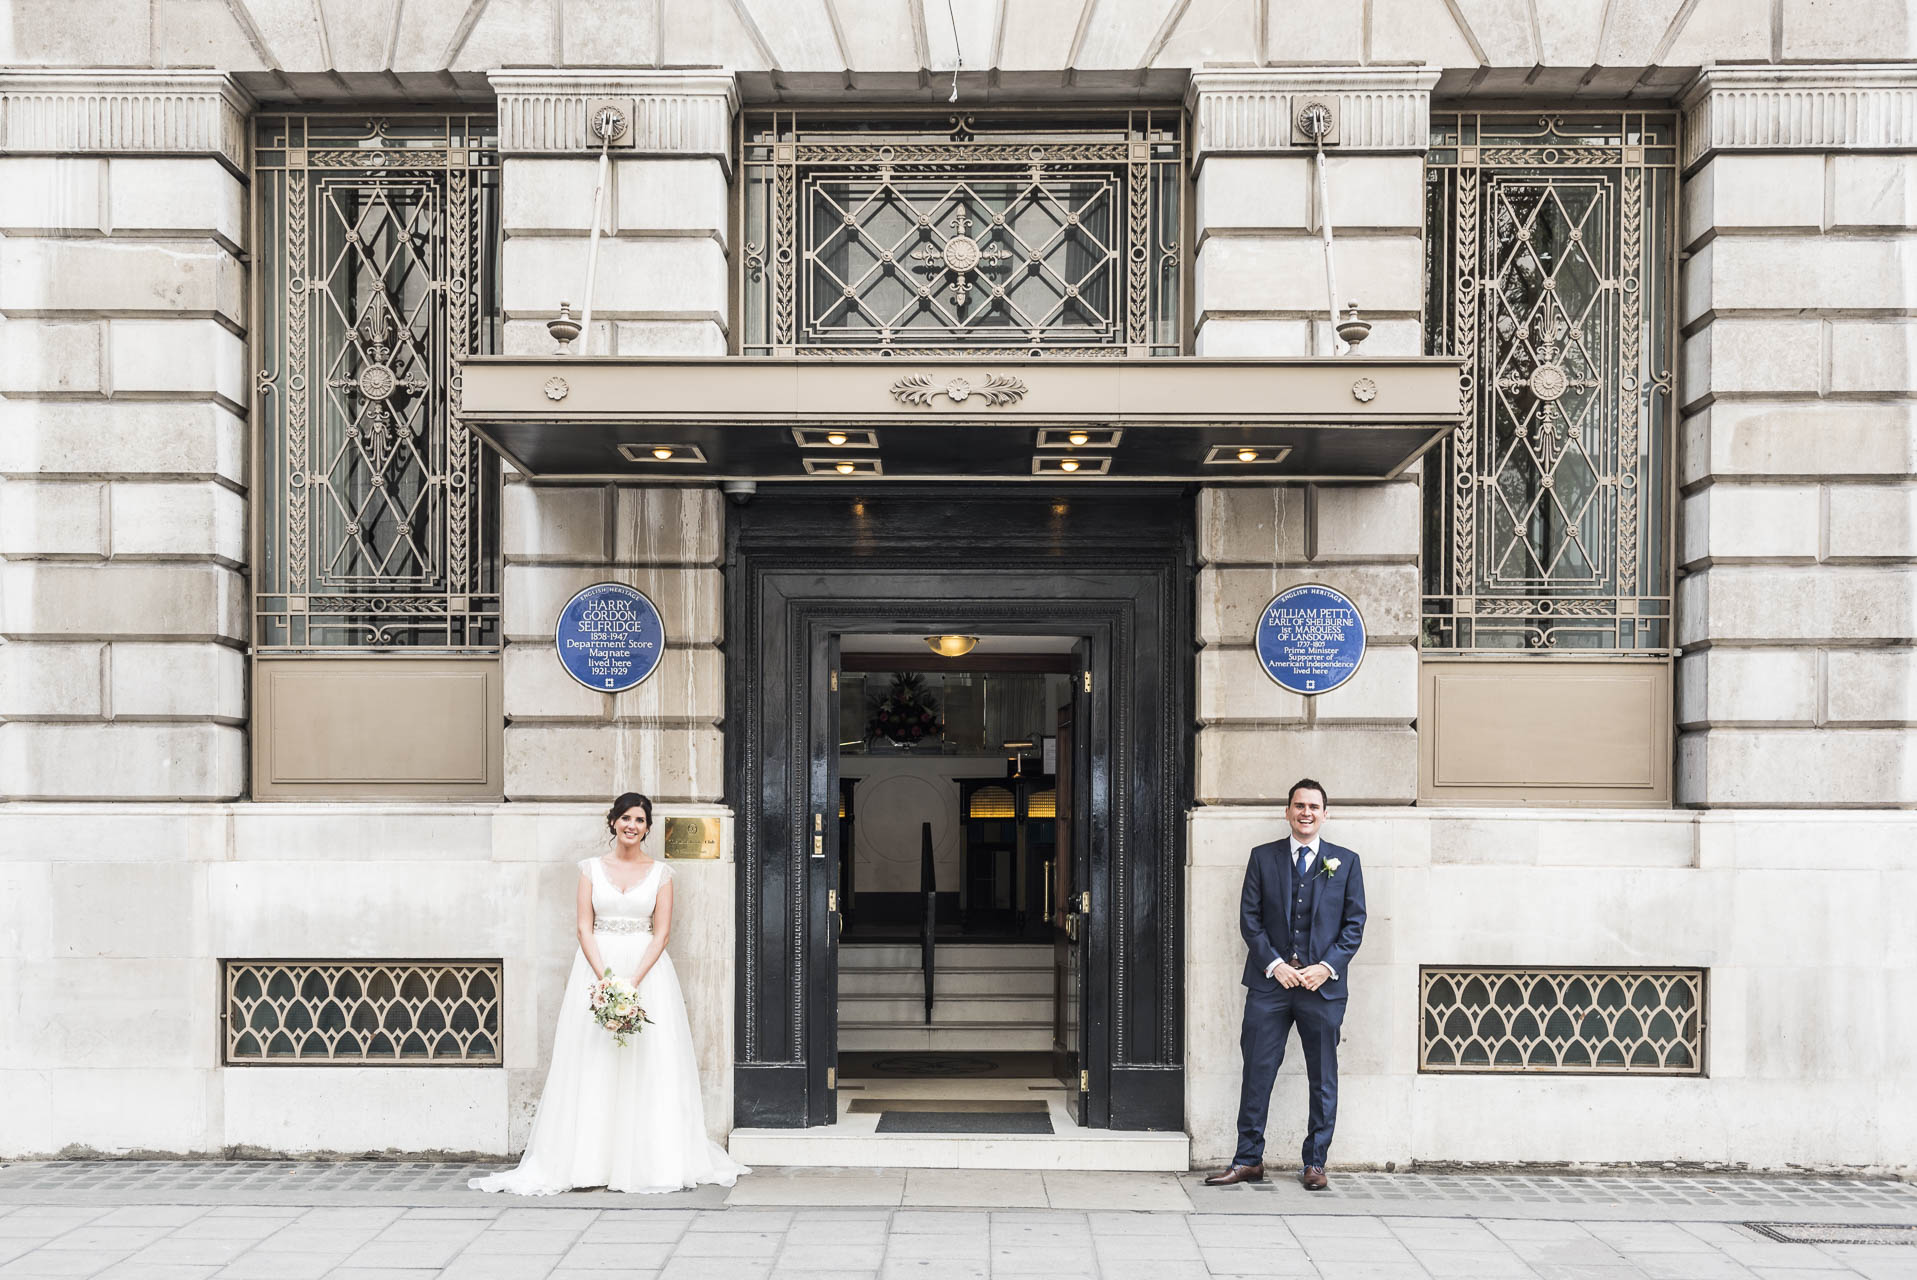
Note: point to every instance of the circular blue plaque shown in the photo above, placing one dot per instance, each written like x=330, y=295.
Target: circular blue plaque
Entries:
x=1311, y=639
x=610, y=637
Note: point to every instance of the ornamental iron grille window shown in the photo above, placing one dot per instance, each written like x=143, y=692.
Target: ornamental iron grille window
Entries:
x=1573, y=1021
x=377, y=272
x=1549, y=269
x=980, y=234
x=349, y=1013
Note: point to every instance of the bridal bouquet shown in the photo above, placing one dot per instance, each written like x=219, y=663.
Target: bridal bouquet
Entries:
x=615, y=1006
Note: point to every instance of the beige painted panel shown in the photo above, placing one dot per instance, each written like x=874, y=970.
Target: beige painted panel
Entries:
x=1544, y=732
x=378, y=727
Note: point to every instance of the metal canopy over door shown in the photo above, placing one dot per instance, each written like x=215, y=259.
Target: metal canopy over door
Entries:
x=806, y=567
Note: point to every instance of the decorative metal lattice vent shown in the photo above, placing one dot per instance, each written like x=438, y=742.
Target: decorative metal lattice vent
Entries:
x=377, y=271
x=979, y=234
x=1550, y=271
x=1622, y=1021
x=392, y=1013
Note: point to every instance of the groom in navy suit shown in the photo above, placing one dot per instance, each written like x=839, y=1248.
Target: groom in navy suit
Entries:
x=1303, y=916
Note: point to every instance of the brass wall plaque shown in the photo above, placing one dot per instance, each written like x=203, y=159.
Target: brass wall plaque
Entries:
x=692, y=837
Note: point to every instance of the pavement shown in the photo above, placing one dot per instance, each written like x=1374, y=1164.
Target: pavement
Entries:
x=388, y=1220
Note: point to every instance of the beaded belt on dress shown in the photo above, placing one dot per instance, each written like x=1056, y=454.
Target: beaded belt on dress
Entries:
x=621, y=924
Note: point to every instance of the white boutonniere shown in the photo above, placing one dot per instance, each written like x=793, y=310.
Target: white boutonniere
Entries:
x=1327, y=867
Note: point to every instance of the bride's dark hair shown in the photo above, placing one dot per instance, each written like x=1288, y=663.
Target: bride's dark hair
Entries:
x=630, y=800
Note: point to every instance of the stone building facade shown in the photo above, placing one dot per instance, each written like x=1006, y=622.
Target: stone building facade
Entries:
x=1713, y=792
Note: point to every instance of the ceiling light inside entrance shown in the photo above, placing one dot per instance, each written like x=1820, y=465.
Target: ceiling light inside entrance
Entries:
x=1073, y=465
x=951, y=646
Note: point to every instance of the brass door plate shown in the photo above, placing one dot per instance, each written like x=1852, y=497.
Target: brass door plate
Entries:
x=692, y=837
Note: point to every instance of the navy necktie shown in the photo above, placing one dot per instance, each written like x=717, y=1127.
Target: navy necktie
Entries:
x=1298, y=861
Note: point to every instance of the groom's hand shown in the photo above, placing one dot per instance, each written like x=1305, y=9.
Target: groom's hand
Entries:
x=1286, y=975
x=1314, y=976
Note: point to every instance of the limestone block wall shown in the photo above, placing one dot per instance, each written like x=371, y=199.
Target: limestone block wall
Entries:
x=1800, y=921
x=123, y=386
x=1797, y=544
x=109, y=967
x=1260, y=291
x=565, y=741
x=661, y=290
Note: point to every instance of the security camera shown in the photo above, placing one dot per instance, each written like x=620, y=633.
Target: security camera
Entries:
x=739, y=491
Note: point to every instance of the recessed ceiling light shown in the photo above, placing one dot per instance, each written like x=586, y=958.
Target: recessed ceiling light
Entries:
x=841, y=465
x=835, y=438
x=1078, y=437
x=677, y=454
x=1256, y=455
x=1079, y=465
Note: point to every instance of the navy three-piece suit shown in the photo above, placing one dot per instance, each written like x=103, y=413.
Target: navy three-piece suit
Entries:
x=1321, y=920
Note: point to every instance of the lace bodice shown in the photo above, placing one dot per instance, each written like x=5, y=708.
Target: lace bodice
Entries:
x=633, y=908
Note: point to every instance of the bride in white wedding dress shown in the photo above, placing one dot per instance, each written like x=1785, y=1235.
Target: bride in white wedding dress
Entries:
x=627, y=1119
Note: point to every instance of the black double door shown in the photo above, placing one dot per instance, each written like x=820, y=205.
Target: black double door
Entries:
x=807, y=568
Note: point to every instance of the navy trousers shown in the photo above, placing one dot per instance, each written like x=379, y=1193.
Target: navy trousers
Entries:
x=1270, y=1013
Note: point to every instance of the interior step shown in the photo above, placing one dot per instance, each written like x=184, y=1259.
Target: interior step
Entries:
x=947, y=1010
x=904, y=1036
x=955, y=982
x=949, y=956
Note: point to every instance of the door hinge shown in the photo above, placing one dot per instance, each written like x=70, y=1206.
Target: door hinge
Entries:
x=1085, y=903
x=831, y=899
x=818, y=835
x=1084, y=1082
x=835, y=682
x=1088, y=682
x=831, y=1077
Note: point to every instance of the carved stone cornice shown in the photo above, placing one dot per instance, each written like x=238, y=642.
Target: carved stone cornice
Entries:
x=87, y=111
x=676, y=113
x=1860, y=107
x=1249, y=112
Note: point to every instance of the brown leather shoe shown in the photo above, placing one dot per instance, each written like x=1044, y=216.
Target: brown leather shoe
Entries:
x=1313, y=1178
x=1236, y=1174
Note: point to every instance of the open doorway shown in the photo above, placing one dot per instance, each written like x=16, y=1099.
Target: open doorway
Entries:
x=808, y=573
x=951, y=869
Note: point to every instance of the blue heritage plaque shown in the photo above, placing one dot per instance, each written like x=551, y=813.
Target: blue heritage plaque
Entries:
x=610, y=637
x=1311, y=639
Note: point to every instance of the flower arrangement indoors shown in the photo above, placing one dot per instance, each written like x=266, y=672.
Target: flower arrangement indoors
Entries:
x=906, y=714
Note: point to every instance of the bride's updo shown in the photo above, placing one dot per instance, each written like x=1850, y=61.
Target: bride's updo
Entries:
x=630, y=800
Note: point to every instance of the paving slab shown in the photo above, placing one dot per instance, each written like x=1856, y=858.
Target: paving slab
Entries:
x=148, y=1220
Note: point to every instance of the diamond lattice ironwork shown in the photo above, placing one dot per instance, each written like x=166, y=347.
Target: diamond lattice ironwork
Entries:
x=1536, y=1020
x=377, y=272
x=1548, y=511
x=976, y=237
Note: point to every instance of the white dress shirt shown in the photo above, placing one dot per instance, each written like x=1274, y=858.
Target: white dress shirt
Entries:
x=1292, y=848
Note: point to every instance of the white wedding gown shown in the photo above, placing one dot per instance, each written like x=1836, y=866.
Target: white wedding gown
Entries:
x=625, y=1119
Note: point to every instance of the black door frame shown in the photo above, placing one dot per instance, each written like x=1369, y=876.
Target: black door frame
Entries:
x=1113, y=565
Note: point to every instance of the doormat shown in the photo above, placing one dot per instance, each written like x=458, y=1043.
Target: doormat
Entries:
x=921, y=1066
x=965, y=1122
x=882, y=1105
x=1835, y=1233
